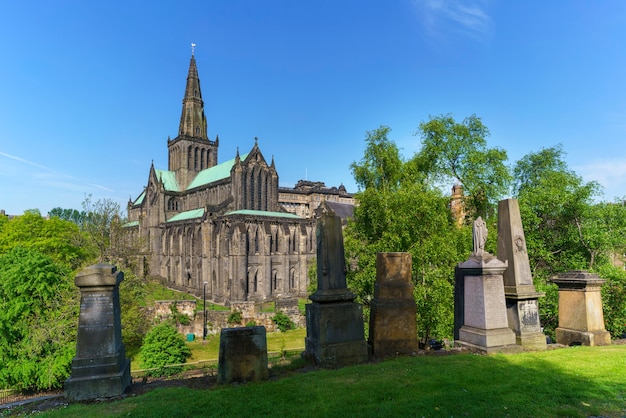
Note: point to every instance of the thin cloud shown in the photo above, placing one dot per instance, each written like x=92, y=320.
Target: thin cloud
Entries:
x=444, y=17
x=54, y=178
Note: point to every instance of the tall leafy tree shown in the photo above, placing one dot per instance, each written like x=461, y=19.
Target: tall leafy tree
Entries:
x=397, y=211
x=458, y=152
x=566, y=229
x=38, y=313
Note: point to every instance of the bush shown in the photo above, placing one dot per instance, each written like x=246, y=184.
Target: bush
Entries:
x=283, y=322
x=164, y=346
x=234, y=318
x=251, y=324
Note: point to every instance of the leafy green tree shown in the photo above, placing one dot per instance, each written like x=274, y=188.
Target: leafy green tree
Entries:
x=38, y=316
x=59, y=239
x=135, y=319
x=567, y=230
x=457, y=152
x=164, y=346
x=71, y=215
x=397, y=211
x=101, y=215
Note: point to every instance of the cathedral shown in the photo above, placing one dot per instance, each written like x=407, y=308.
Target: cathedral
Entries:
x=219, y=228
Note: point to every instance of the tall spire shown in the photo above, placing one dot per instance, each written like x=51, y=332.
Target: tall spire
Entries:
x=192, y=120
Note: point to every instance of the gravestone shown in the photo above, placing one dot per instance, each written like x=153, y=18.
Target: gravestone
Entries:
x=334, y=322
x=100, y=368
x=521, y=297
x=581, y=319
x=243, y=355
x=393, y=328
x=485, y=324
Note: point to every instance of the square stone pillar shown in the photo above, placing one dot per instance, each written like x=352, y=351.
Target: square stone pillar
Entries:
x=581, y=319
x=485, y=323
x=335, y=334
x=100, y=368
x=521, y=297
x=393, y=325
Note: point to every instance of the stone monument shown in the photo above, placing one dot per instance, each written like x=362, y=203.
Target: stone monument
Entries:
x=581, y=319
x=521, y=297
x=100, y=368
x=393, y=326
x=243, y=355
x=485, y=325
x=334, y=322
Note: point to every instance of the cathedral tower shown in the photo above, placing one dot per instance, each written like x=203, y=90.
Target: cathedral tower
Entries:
x=191, y=151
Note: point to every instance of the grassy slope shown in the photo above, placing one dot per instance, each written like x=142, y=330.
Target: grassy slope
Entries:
x=581, y=381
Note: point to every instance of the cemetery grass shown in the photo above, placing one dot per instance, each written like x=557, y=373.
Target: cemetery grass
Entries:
x=573, y=382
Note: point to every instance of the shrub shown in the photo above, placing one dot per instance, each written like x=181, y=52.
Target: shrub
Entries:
x=178, y=316
x=251, y=324
x=234, y=318
x=283, y=322
x=164, y=346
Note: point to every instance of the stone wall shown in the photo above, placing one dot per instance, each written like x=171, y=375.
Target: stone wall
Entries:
x=216, y=320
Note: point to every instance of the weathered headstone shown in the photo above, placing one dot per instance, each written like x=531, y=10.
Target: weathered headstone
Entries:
x=393, y=328
x=100, y=368
x=243, y=355
x=581, y=319
x=334, y=322
x=521, y=297
x=485, y=324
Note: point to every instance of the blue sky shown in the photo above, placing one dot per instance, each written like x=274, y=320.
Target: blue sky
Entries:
x=90, y=91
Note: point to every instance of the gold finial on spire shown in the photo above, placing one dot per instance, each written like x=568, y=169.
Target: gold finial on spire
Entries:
x=193, y=48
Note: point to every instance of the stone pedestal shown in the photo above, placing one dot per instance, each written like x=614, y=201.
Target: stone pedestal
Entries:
x=521, y=297
x=485, y=323
x=393, y=327
x=243, y=355
x=581, y=319
x=334, y=323
x=100, y=368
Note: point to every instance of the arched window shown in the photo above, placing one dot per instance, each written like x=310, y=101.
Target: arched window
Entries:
x=189, y=157
x=201, y=159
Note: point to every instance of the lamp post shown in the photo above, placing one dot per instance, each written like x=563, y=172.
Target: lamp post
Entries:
x=204, y=306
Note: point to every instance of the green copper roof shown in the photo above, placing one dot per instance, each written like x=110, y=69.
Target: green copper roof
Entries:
x=139, y=200
x=190, y=214
x=215, y=173
x=263, y=213
x=169, y=180
x=130, y=224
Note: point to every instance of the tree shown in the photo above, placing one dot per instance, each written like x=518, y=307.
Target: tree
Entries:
x=164, y=346
x=458, y=152
x=71, y=215
x=397, y=211
x=100, y=216
x=566, y=230
x=38, y=316
x=59, y=239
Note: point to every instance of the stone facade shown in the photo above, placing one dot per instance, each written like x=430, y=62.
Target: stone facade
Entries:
x=307, y=196
x=219, y=226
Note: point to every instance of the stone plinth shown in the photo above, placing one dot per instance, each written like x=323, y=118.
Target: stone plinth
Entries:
x=393, y=328
x=581, y=319
x=334, y=323
x=100, y=368
x=243, y=355
x=521, y=297
x=485, y=323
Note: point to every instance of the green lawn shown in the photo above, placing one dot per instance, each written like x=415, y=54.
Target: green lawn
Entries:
x=573, y=382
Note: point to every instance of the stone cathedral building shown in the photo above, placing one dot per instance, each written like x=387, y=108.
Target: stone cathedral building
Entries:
x=219, y=227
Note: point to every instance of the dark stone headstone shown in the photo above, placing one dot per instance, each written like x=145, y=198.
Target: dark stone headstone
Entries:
x=100, y=368
x=334, y=323
x=243, y=355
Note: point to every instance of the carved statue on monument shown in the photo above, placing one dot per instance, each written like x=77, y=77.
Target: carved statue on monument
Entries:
x=479, y=234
